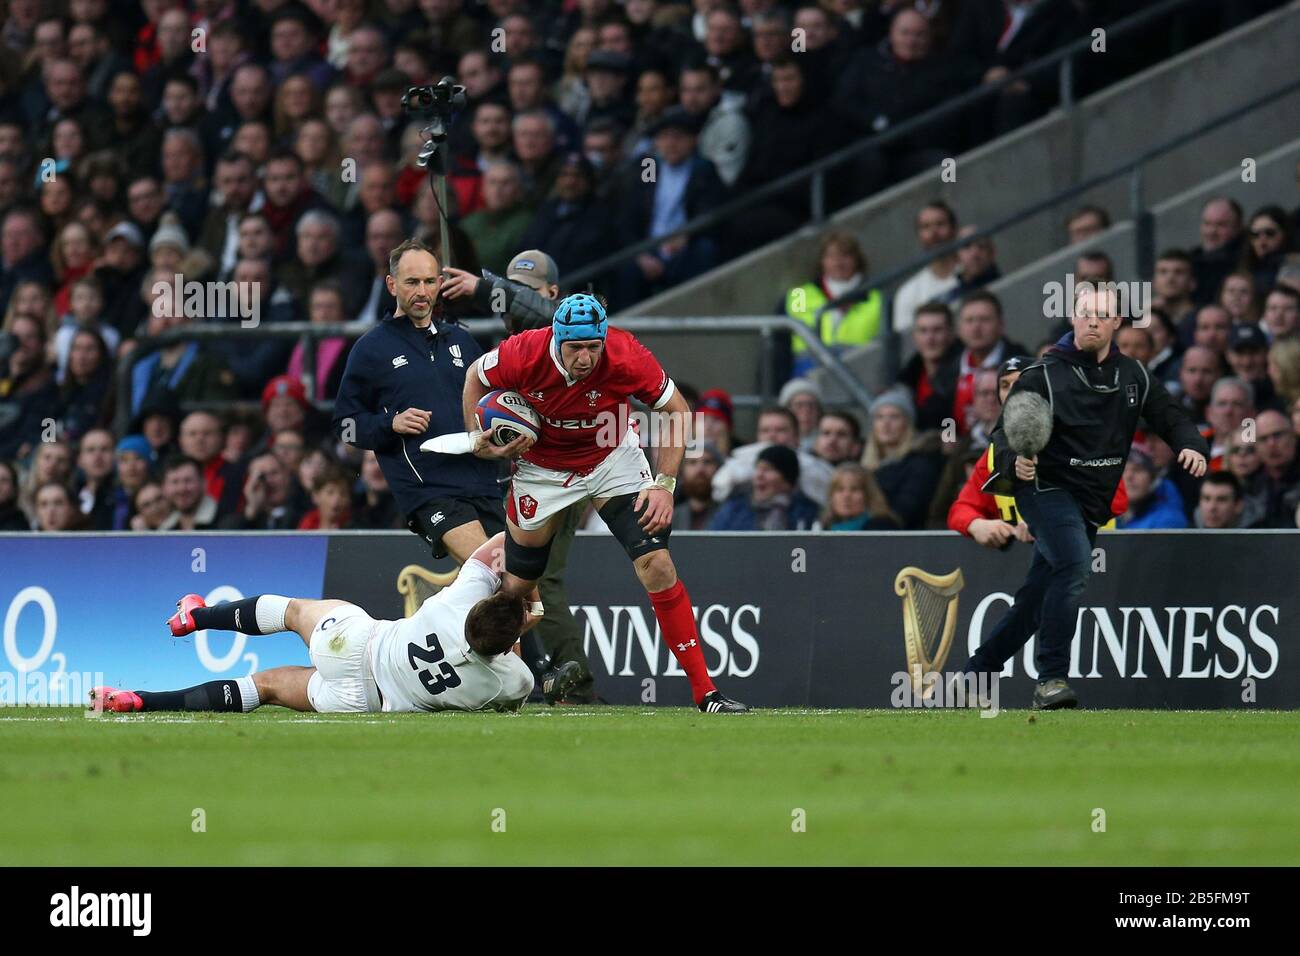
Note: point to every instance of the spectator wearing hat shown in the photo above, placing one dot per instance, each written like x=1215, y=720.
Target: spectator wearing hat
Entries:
x=496, y=229
x=771, y=499
x=526, y=296
x=695, y=506
x=1153, y=500
x=684, y=187
x=120, y=272
x=571, y=224
x=724, y=137
x=905, y=464
x=776, y=426
x=1248, y=356
x=713, y=416
x=169, y=245
x=133, y=458
x=804, y=399
x=286, y=408
x=841, y=272
x=606, y=75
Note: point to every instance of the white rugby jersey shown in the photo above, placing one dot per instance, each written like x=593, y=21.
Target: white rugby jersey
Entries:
x=424, y=663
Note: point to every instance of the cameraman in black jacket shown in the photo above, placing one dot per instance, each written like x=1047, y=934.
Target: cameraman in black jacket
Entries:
x=1097, y=395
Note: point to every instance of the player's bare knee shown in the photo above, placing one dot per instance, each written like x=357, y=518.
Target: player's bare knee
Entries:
x=656, y=570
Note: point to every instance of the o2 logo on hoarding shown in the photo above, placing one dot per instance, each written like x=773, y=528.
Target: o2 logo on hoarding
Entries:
x=50, y=626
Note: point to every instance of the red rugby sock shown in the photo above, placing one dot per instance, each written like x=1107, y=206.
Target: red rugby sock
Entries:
x=677, y=624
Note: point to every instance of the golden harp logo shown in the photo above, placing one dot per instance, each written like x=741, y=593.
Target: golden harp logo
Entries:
x=929, y=621
x=417, y=584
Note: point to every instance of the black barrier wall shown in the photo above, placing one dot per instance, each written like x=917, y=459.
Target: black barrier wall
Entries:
x=1183, y=620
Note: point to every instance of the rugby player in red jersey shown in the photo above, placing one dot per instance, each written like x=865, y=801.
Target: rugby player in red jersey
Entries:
x=578, y=374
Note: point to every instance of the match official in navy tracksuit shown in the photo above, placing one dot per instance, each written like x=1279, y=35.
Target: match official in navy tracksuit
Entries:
x=402, y=385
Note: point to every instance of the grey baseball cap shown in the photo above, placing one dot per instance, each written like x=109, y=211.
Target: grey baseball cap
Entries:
x=533, y=268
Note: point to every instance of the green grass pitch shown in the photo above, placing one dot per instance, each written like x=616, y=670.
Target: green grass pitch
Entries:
x=650, y=786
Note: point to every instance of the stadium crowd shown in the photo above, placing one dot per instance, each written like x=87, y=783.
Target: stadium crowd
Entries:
x=264, y=143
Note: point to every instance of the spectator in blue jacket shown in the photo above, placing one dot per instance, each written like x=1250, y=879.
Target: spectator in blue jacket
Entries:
x=772, y=500
x=1153, y=501
x=402, y=385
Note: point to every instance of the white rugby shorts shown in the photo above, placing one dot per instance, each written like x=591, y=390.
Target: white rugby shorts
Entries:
x=537, y=493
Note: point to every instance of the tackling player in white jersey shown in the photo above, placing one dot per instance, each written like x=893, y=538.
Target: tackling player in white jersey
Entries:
x=454, y=653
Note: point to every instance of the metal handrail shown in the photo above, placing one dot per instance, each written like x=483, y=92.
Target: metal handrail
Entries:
x=1143, y=238
x=311, y=332
x=815, y=173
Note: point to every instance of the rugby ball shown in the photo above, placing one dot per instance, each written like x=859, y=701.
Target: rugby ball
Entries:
x=505, y=415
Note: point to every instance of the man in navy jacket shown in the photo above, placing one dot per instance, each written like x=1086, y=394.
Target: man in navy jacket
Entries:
x=403, y=385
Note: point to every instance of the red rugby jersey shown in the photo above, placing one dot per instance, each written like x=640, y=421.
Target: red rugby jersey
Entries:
x=582, y=421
